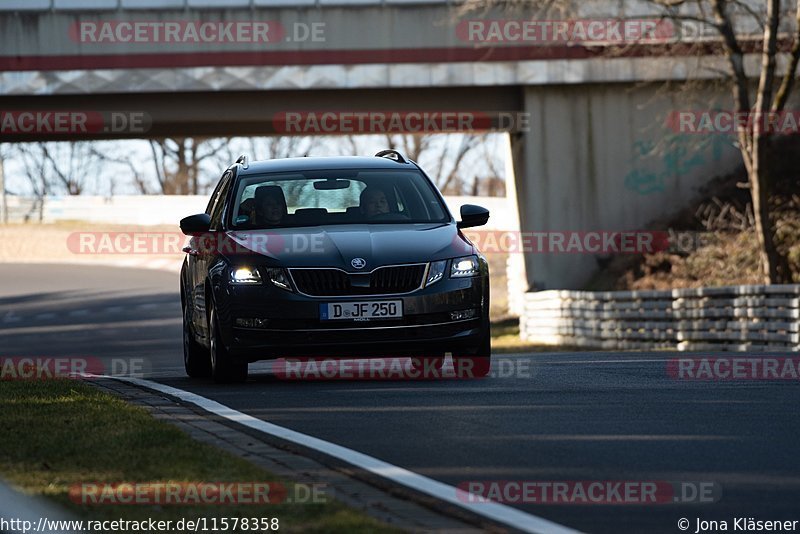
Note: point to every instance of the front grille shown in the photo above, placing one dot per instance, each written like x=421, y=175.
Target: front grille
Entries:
x=398, y=279
x=321, y=282
x=382, y=281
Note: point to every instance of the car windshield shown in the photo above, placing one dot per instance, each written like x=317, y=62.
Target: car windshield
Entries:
x=314, y=198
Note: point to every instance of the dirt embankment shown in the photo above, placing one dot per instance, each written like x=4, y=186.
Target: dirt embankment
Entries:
x=722, y=221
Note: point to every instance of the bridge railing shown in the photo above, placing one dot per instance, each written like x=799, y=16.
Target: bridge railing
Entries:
x=735, y=318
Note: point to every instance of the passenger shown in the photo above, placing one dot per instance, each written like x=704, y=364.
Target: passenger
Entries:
x=373, y=202
x=248, y=209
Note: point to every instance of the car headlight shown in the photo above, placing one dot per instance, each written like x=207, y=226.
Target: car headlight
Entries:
x=436, y=272
x=278, y=277
x=245, y=275
x=465, y=266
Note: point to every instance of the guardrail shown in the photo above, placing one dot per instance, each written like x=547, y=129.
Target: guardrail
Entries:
x=736, y=318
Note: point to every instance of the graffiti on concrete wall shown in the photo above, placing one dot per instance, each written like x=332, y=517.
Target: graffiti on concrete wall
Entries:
x=674, y=156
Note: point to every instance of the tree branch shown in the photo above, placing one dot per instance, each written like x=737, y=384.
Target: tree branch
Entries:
x=782, y=96
x=769, y=50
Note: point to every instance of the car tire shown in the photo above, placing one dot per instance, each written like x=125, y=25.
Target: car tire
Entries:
x=223, y=369
x=195, y=357
x=428, y=366
x=477, y=362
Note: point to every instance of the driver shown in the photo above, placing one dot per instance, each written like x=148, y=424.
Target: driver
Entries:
x=270, y=205
x=373, y=202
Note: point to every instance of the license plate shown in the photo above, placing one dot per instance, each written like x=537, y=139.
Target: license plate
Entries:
x=383, y=309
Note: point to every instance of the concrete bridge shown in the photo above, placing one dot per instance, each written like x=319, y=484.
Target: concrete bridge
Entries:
x=588, y=137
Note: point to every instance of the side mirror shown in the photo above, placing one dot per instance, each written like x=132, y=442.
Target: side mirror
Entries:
x=196, y=224
x=473, y=216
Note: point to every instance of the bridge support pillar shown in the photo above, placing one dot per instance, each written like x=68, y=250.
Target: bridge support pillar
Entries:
x=603, y=158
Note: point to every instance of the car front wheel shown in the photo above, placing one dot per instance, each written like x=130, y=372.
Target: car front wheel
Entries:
x=475, y=363
x=223, y=368
x=195, y=356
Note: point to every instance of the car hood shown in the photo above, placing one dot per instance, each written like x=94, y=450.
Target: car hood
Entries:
x=338, y=246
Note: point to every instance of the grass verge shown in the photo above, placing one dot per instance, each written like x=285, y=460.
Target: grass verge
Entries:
x=60, y=433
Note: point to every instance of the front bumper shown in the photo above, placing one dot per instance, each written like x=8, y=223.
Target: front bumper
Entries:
x=292, y=324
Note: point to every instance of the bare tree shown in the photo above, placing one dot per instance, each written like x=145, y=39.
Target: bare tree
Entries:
x=412, y=146
x=179, y=161
x=132, y=164
x=35, y=169
x=493, y=184
x=754, y=140
x=755, y=136
x=3, y=202
x=189, y=166
x=773, y=85
x=72, y=165
x=448, y=167
x=281, y=147
x=446, y=158
x=62, y=167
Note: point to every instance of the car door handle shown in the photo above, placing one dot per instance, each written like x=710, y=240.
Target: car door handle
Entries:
x=190, y=251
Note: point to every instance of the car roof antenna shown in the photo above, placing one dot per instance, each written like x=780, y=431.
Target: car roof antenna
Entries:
x=392, y=154
x=244, y=161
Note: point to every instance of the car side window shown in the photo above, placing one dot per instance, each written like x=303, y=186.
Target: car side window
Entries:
x=219, y=202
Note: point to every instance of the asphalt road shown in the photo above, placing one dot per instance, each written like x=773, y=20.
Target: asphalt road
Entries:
x=562, y=416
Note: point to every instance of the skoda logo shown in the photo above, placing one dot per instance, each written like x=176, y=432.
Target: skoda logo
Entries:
x=358, y=263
